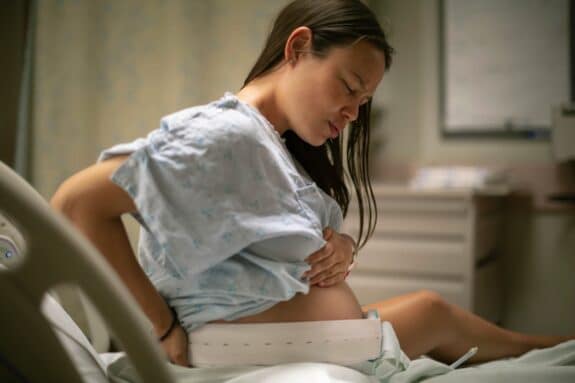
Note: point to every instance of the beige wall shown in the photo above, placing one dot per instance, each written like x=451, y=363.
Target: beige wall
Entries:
x=539, y=270
x=540, y=246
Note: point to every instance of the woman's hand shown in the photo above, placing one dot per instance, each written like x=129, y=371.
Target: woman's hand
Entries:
x=329, y=264
x=176, y=346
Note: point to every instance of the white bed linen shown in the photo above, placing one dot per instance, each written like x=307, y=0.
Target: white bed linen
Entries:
x=121, y=372
x=551, y=365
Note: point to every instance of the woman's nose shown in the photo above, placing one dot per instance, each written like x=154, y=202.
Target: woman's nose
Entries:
x=351, y=111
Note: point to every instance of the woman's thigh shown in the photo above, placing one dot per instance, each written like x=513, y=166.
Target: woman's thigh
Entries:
x=420, y=320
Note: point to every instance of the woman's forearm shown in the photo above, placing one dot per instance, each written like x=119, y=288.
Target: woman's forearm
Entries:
x=111, y=239
x=95, y=205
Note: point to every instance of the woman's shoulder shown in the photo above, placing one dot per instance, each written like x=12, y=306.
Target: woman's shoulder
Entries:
x=225, y=120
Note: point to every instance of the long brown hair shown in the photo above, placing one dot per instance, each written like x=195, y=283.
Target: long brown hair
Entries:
x=334, y=23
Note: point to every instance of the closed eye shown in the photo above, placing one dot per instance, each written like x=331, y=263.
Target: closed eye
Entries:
x=348, y=88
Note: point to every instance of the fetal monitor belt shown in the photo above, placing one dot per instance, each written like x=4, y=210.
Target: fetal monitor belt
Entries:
x=343, y=342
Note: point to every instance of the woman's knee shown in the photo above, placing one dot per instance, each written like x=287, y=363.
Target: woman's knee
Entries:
x=433, y=301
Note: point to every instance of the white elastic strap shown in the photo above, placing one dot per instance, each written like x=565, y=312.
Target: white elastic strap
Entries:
x=343, y=342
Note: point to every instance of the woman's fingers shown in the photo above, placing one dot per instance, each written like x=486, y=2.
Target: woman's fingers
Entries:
x=332, y=280
x=322, y=266
x=181, y=358
x=319, y=261
x=325, y=253
x=321, y=254
x=330, y=262
x=176, y=346
x=327, y=272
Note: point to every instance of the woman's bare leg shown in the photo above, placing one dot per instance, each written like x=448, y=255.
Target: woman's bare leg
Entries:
x=427, y=324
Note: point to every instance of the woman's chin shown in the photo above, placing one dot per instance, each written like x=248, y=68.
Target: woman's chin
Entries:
x=316, y=141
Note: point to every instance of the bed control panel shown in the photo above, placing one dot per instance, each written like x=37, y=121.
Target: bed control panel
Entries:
x=8, y=249
x=11, y=242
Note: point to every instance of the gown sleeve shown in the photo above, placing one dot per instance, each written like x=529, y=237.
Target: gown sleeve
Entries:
x=206, y=185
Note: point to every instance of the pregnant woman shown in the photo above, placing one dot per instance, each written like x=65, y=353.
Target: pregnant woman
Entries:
x=241, y=200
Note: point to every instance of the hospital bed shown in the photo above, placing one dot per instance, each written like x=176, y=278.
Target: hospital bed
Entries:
x=39, y=342
x=55, y=254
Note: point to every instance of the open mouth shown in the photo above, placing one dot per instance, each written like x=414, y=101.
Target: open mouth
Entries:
x=334, y=130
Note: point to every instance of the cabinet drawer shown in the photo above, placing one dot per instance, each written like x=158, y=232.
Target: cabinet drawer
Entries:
x=415, y=256
x=369, y=289
x=434, y=224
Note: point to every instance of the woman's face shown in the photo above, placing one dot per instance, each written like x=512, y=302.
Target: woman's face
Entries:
x=322, y=94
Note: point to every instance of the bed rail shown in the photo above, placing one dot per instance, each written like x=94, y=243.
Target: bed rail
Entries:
x=55, y=253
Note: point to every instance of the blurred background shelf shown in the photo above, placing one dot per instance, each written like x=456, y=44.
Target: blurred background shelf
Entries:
x=447, y=241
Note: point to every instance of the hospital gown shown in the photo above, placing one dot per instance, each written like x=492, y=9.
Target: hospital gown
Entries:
x=227, y=215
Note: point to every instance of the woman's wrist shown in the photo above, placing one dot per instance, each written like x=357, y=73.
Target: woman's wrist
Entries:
x=164, y=329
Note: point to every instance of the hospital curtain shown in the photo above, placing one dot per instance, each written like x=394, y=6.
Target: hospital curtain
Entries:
x=107, y=70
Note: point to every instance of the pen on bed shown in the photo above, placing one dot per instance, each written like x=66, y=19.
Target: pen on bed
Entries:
x=464, y=358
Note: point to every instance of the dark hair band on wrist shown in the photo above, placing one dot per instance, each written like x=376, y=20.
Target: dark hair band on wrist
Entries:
x=172, y=325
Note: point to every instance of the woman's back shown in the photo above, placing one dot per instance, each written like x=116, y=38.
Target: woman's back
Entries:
x=242, y=216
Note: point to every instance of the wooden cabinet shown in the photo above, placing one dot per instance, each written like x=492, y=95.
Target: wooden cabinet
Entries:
x=445, y=240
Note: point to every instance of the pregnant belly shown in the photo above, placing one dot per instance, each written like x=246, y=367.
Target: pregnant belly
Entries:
x=321, y=303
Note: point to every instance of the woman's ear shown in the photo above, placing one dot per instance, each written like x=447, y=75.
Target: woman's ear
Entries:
x=298, y=42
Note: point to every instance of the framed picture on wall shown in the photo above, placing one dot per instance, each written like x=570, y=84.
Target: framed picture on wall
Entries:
x=504, y=65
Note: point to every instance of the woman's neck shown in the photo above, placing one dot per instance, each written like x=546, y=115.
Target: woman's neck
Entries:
x=261, y=94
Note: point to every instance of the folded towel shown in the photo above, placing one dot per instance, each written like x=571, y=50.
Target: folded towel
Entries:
x=458, y=177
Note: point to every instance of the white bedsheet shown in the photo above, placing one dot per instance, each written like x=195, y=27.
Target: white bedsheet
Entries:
x=554, y=365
